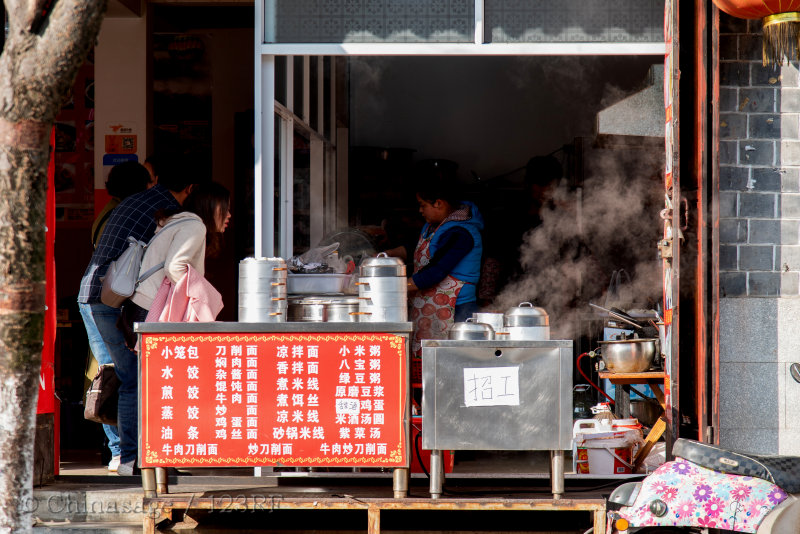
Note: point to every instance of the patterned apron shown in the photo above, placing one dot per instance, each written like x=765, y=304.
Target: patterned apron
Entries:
x=431, y=310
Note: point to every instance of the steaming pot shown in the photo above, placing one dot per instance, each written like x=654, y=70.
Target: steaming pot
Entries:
x=527, y=322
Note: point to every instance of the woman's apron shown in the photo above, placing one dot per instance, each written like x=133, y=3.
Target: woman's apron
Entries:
x=431, y=310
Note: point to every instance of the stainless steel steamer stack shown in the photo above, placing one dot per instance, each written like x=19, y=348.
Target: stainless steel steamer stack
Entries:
x=527, y=322
x=262, y=290
x=382, y=290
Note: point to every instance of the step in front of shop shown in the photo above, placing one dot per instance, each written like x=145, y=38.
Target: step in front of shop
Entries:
x=89, y=527
x=100, y=503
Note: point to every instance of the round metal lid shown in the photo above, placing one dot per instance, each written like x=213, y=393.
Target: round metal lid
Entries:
x=382, y=265
x=471, y=330
x=526, y=314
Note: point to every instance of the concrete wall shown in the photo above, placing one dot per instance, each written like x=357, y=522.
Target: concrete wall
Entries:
x=120, y=86
x=759, y=244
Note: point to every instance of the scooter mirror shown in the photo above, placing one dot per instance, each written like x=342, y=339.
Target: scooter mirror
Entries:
x=794, y=369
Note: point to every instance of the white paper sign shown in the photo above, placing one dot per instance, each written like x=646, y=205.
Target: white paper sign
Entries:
x=347, y=406
x=491, y=386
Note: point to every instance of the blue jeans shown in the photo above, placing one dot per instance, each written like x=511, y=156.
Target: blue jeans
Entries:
x=100, y=353
x=101, y=323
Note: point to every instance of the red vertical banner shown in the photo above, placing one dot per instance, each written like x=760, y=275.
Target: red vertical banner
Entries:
x=46, y=402
x=210, y=400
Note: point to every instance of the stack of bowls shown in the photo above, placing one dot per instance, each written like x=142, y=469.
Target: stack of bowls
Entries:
x=262, y=290
x=382, y=290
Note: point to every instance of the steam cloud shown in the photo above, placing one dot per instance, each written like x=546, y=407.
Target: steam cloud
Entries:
x=567, y=261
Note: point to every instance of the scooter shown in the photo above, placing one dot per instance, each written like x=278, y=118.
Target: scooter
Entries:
x=708, y=487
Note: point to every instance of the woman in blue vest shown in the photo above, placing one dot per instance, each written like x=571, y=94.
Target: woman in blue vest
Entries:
x=447, y=261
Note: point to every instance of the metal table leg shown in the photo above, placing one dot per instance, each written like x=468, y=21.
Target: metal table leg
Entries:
x=149, y=481
x=557, y=473
x=400, y=477
x=162, y=484
x=437, y=474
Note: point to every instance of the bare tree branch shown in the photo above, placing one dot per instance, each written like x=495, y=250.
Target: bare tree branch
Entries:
x=45, y=64
x=20, y=12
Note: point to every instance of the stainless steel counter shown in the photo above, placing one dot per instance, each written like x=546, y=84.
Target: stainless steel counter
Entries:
x=270, y=328
x=452, y=343
x=497, y=395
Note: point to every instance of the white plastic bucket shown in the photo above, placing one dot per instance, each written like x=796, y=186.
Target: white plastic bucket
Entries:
x=604, y=447
x=605, y=457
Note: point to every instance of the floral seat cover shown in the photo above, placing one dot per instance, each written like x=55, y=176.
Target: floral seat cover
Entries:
x=696, y=496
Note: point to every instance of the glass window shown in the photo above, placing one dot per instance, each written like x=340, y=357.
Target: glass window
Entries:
x=574, y=21
x=374, y=21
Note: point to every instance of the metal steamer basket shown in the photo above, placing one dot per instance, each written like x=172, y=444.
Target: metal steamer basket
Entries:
x=382, y=290
x=307, y=310
x=527, y=322
x=342, y=310
x=334, y=309
x=262, y=290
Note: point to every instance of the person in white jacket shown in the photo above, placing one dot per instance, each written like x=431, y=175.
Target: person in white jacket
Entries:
x=181, y=240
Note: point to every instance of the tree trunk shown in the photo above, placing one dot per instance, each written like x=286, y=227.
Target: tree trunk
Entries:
x=48, y=41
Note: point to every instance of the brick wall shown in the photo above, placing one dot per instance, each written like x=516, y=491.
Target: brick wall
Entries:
x=759, y=168
x=759, y=226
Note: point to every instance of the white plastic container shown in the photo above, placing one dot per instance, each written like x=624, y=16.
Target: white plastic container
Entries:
x=605, y=457
x=605, y=447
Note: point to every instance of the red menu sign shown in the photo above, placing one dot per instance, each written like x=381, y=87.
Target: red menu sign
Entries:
x=211, y=400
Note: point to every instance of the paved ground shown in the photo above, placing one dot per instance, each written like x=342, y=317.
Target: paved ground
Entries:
x=87, y=498
x=83, y=463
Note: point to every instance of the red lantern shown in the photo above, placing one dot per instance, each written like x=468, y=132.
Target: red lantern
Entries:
x=781, y=24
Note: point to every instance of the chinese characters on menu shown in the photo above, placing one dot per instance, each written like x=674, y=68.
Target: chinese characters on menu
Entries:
x=310, y=400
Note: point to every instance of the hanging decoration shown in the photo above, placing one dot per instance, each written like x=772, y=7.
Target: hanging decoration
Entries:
x=780, y=22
